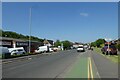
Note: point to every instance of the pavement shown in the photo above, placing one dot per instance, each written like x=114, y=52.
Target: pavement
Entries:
x=63, y=64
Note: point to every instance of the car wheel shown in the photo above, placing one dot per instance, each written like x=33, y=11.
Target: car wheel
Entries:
x=23, y=52
x=103, y=53
x=106, y=53
x=111, y=53
x=14, y=53
x=115, y=53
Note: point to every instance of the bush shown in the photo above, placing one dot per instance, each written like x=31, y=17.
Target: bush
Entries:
x=118, y=47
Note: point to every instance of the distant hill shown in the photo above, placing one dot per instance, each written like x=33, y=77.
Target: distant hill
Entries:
x=15, y=35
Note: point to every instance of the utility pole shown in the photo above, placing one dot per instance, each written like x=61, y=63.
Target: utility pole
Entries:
x=62, y=46
x=30, y=29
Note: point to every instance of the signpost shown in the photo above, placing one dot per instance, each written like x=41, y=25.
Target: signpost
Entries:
x=108, y=40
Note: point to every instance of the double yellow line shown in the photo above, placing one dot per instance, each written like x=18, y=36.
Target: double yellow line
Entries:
x=90, y=71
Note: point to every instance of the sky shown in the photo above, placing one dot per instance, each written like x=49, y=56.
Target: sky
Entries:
x=74, y=21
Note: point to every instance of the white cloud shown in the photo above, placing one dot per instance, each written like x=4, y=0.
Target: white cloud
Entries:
x=84, y=14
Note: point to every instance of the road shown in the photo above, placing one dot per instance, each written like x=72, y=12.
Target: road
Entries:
x=63, y=64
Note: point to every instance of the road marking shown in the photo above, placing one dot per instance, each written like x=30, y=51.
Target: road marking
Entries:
x=88, y=70
x=96, y=68
x=91, y=69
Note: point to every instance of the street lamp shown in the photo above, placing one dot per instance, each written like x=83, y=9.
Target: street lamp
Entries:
x=62, y=46
x=30, y=29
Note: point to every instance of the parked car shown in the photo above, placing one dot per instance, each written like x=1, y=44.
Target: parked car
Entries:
x=90, y=48
x=17, y=51
x=55, y=49
x=80, y=49
x=42, y=49
x=85, y=46
x=112, y=50
x=51, y=50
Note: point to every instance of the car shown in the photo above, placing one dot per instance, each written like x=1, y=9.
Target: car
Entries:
x=112, y=50
x=17, y=51
x=42, y=49
x=51, y=50
x=90, y=48
x=80, y=49
x=85, y=46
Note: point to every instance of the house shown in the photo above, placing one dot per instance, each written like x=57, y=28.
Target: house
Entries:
x=13, y=43
x=48, y=42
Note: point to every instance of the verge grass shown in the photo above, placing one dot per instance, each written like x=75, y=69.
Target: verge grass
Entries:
x=114, y=58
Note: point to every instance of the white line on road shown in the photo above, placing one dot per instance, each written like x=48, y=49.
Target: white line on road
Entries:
x=96, y=68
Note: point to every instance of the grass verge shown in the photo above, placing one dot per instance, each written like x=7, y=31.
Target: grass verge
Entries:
x=114, y=58
x=0, y=56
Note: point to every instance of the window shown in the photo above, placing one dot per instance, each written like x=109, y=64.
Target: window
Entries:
x=20, y=50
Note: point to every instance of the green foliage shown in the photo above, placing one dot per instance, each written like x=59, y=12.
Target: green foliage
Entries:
x=67, y=44
x=15, y=35
x=0, y=32
x=93, y=44
x=118, y=46
x=98, y=43
x=57, y=43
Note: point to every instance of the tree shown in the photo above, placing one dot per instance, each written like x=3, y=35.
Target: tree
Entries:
x=93, y=44
x=118, y=45
x=57, y=43
x=66, y=44
x=99, y=42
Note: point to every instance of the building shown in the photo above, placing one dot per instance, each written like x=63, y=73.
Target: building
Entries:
x=13, y=43
x=48, y=42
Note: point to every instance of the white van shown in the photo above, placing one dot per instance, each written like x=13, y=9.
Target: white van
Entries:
x=17, y=51
x=43, y=49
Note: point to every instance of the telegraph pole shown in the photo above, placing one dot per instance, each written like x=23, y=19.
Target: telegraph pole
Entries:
x=30, y=29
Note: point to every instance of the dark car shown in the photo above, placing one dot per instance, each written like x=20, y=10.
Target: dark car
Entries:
x=112, y=50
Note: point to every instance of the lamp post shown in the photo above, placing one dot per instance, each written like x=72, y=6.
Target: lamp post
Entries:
x=30, y=29
x=62, y=46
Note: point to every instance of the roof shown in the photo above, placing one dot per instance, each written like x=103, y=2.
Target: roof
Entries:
x=13, y=39
x=6, y=38
x=51, y=42
x=48, y=42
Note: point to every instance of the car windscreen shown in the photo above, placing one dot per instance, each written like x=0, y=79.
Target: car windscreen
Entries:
x=113, y=47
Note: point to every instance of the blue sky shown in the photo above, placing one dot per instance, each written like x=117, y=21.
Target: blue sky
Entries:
x=82, y=22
